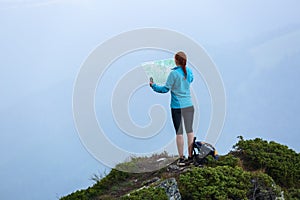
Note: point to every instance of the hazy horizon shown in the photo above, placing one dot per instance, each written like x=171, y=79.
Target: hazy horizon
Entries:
x=255, y=46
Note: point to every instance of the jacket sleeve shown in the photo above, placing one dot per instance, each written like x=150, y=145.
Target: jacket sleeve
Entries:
x=160, y=89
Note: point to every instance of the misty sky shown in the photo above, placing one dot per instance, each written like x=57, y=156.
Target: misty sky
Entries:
x=255, y=46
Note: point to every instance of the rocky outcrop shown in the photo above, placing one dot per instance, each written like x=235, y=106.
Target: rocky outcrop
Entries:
x=171, y=188
x=169, y=185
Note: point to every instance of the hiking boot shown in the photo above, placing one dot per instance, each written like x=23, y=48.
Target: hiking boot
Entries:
x=181, y=161
x=189, y=161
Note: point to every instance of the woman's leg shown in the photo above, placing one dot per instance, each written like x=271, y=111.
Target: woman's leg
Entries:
x=190, y=137
x=177, y=119
x=188, y=116
x=180, y=144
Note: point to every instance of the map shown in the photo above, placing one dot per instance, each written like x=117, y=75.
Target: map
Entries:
x=158, y=70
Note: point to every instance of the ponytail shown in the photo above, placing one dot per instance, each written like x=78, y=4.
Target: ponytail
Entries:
x=180, y=59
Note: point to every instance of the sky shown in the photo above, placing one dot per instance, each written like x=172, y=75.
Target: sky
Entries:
x=255, y=46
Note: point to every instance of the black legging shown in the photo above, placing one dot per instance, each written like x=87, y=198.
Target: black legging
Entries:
x=188, y=116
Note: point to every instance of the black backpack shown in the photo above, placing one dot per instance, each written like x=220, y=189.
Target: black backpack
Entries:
x=201, y=150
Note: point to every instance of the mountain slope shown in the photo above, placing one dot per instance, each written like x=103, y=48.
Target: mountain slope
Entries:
x=254, y=169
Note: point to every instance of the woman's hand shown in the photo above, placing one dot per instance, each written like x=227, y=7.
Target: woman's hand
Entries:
x=151, y=82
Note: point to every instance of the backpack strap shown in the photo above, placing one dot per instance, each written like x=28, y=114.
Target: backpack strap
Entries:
x=194, y=146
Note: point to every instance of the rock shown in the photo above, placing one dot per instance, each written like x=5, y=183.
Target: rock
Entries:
x=161, y=159
x=171, y=188
x=173, y=168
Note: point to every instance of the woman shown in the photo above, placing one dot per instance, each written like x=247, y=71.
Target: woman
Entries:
x=178, y=83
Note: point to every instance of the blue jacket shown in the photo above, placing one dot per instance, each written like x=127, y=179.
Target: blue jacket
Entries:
x=179, y=86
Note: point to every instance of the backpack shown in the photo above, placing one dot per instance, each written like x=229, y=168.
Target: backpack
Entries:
x=201, y=150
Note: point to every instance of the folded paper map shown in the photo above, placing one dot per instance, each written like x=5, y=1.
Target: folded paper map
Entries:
x=158, y=70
